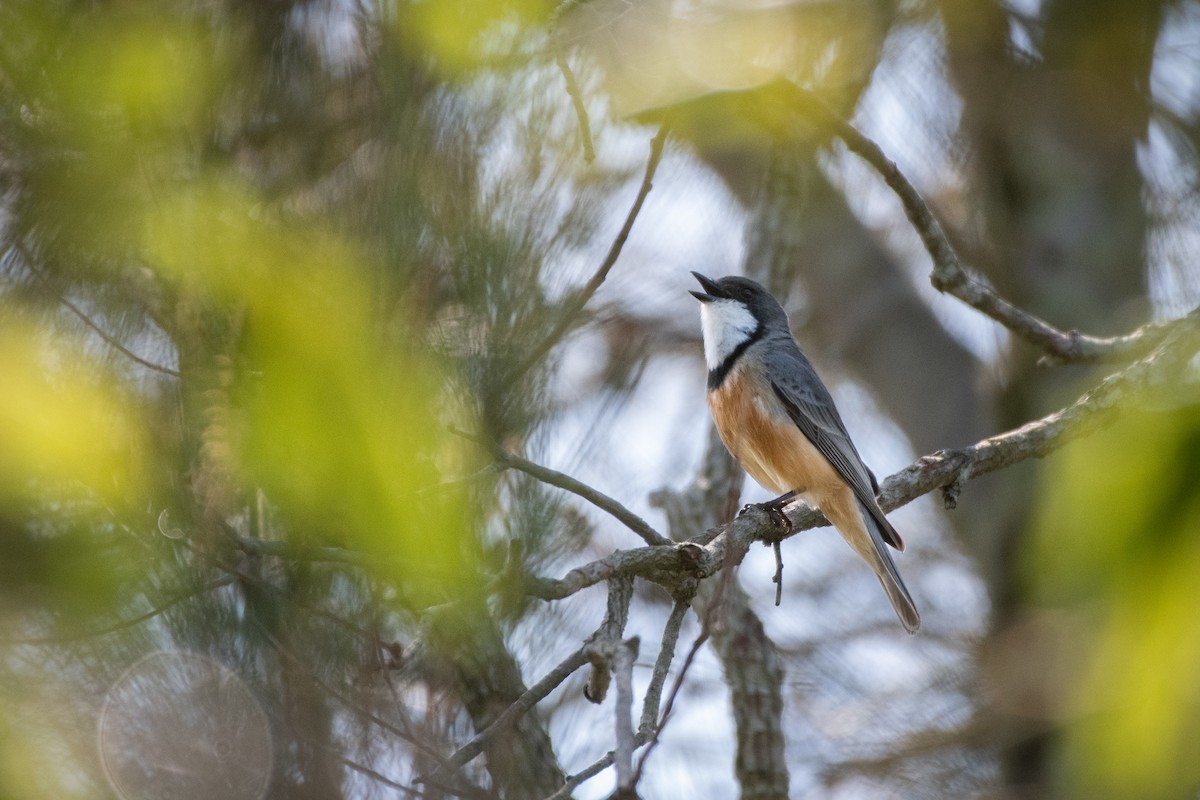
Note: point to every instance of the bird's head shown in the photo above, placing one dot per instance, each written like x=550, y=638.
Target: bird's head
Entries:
x=734, y=310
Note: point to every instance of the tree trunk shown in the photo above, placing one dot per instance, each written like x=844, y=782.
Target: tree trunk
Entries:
x=487, y=680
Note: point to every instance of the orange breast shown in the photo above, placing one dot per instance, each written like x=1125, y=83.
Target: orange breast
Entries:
x=755, y=427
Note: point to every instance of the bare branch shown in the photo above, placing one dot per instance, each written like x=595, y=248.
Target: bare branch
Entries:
x=778, y=578
x=663, y=564
x=581, y=298
x=108, y=338
x=623, y=657
x=113, y=343
x=950, y=276
x=653, y=562
x=596, y=498
x=674, y=566
x=666, y=654
x=19, y=247
x=378, y=777
x=585, y=125
x=170, y=603
x=526, y=701
x=1095, y=409
x=701, y=638
x=715, y=604
x=608, y=634
x=586, y=774
x=649, y=719
x=600, y=645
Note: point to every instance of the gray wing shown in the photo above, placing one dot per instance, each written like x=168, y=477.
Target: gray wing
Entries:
x=811, y=407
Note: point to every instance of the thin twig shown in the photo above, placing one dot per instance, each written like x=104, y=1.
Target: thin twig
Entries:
x=175, y=600
x=648, y=562
x=576, y=487
x=586, y=774
x=367, y=714
x=567, y=318
x=623, y=657
x=732, y=556
x=778, y=579
x=531, y=697
x=714, y=605
x=112, y=342
x=600, y=645
x=585, y=125
x=701, y=638
x=662, y=666
x=103, y=334
x=950, y=276
x=378, y=777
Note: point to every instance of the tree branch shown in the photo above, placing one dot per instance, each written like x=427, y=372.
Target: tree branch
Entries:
x=625, y=653
x=600, y=645
x=596, y=498
x=1095, y=409
x=663, y=564
x=608, y=634
x=585, y=126
x=675, y=565
x=171, y=602
x=587, y=773
x=581, y=297
x=378, y=777
x=688, y=660
x=113, y=343
x=666, y=654
x=108, y=338
x=522, y=704
x=650, y=702
x=951, y=277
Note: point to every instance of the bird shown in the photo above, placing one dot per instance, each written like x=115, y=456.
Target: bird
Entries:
x=779, y=422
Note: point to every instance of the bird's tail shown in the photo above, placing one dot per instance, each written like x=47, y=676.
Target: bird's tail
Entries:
x=885, y=569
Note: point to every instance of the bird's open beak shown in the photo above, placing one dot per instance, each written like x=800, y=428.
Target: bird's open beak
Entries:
x=711, y=290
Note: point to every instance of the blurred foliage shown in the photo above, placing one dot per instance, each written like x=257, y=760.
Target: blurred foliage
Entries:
x=657, y=53
x=1117, y=549
x=462, y=35
x=326, y=290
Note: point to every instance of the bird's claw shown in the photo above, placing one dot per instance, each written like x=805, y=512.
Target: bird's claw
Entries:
x=784, y=520
x=777, y=516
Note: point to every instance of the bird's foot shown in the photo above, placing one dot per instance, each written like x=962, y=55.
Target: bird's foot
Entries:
x=775, y=511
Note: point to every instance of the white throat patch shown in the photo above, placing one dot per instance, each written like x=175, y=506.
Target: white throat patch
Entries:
x=726, y=324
